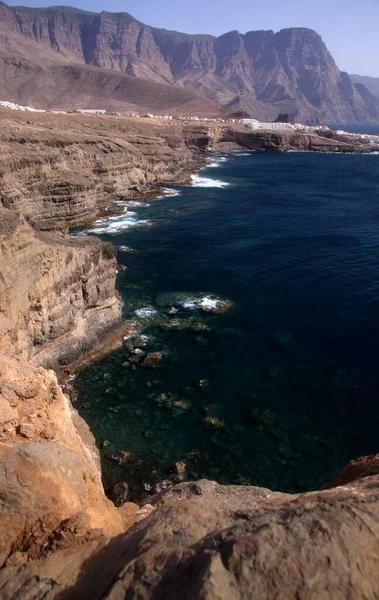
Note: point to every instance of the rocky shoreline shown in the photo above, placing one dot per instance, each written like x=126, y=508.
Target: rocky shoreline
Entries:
x=57, y=301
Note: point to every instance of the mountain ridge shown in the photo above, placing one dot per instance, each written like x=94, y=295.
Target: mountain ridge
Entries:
x=260, y=73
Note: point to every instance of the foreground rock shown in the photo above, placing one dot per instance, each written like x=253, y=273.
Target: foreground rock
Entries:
x=50, y=480
x=204, y=540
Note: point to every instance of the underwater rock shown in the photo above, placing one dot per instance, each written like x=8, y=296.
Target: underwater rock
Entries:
x=203, y=383
x=136, y=356
x=106, y=443
x=121, y=457
x=166, y=399
x=120, y=493
x=146, y=312
x=193, y=455
x=121, y=267
x=189, y=301
x=152, y=359
x=179, y=472
x=192, y=323
x=212, y=422
x=127, y=249
x=263, y=417
x=182, y=405
x=148, y=434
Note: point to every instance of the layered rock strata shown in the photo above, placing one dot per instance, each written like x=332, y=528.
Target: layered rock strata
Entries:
x=57, y=292
x=61, y=170
x=63, y=57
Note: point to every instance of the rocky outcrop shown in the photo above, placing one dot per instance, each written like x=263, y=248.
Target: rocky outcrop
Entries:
x=261, y=72
x=50, y=476
x=204, y=540
x=57, y=292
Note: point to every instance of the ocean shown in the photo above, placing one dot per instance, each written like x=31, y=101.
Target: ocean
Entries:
x=259, y=285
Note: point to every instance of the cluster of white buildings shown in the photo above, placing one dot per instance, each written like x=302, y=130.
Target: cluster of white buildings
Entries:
x=166, y=117
x=13, y=106
x=260, y=126
x=91, y=111
x=371, y=139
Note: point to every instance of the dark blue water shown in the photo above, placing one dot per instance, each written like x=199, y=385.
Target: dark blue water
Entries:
x=291, y=369
x=356, y=128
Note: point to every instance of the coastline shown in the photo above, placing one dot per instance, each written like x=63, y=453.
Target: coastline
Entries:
x=68, y=521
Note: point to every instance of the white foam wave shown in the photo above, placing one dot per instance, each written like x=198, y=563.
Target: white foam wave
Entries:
x=146, y=312
x=114, y=225
x=169, y=193
x=206, y=182
x=216, y=161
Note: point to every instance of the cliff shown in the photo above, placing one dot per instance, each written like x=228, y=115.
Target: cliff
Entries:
x=50, y=475
x=57, y=292
x=59, y=170
x=59, y=57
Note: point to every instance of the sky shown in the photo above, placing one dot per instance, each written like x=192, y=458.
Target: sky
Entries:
x=350, y=28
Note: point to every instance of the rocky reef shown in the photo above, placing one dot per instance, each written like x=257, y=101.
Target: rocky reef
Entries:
x=60, y=536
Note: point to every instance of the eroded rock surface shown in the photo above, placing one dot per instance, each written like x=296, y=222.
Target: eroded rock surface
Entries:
x=204, y=540
x=57, y=292
x=50, y=478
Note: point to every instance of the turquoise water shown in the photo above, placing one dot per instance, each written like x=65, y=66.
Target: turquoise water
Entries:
x=281, y=389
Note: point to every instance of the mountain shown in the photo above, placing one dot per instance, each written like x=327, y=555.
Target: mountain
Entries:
x=261, y=73
x=371, y=83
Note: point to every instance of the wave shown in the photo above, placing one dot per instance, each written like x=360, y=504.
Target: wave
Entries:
x=206, y=182
x=114, y=225
x=216, y=161
x=169, y=193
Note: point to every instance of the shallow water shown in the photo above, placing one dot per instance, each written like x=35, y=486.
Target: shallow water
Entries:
x=289, y=379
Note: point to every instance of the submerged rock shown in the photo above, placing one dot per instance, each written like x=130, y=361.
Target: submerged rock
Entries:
x=153, y=359
x=190, y=301
x=212, y=422
x=179, y=472
x=121, y=457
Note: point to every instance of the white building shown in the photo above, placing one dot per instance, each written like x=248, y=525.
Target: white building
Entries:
x=257, y=125
x=91, y=111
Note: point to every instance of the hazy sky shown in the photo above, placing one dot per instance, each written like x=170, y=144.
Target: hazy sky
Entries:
x=350, y=28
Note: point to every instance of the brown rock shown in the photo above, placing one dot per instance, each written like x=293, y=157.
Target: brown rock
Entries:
x=17, y=559
x=119, y=494
x=128, y=513
x=222, y=542
x=179, y=471
x=153, y=359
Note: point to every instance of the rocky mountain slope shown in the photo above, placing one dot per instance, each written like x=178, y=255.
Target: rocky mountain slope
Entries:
x=371, y=83
x=261, y=72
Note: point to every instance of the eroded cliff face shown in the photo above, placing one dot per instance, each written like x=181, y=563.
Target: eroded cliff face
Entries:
x=261, y=72
x=57, y=292
x=60, y=170
x=50, y=476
